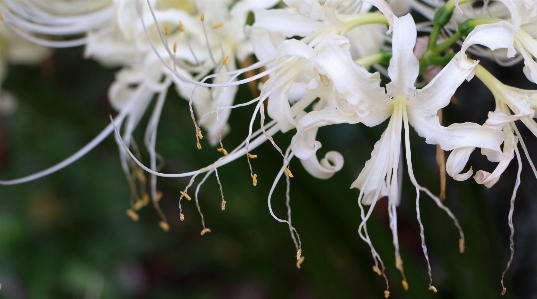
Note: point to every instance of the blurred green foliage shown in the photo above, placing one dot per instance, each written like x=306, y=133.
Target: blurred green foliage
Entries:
x=67, y=235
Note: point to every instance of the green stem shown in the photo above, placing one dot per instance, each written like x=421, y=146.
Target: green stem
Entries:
x=447, y=43
x=380, y=57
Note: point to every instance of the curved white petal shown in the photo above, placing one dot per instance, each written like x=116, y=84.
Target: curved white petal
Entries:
x=283, y=21
x=457, y=161
x=404, y=66
x=304, y=144
x=328, y=166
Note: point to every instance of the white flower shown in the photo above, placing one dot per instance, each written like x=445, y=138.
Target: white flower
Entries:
x=360, y=98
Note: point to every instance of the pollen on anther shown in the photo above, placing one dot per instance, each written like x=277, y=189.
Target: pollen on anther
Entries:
x=138, y=205
x=164, y=225
x=223, y=205
x=205, y=230
x=132, y=214
x=158, y=196
x=461, y=246
x=166, y=30
x=181, y=26
x=216, y=26
x=299, y=262
x=224, y=61
x=252, y=156
x=182, y=217
x=432, y=288
x=145, y=199
x=198, y=145
x=377, y=270
x=174, y=47
x=504, y=290
x=254, y=179
x=183, y=193
x=298, y=254
x=405, y=285
x=386, y=294
x=222, y=150
x=288, y=171
x=200, y=136
x=202, y=18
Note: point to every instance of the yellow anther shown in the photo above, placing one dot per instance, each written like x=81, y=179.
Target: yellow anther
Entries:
x=182, y=217
x=405, y=285
x=164, y=225
x=503, y=291
x=386, y=294
x=183, y=193
x=299, y=262
x=224, y=61
x=202, y=17
x=252, y=156
x=377, y=270
x=1, y=19
x=205, y=230
x=223, y=205
x=198, y=145
x=145, y=199
x=298, y=254
x=181, y=26
x=166, y=30
x=288, y=171
x=222, y=150
x=216, y=26
x=254, y=179
x=461, y=245
x=432, y=288
x=324, y=80
x=132, y=214
x=200, y=136
x=158, y=196
x=138, y=205
x=174, y=47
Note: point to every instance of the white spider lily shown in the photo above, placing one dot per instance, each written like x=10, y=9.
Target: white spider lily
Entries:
x=362, y=99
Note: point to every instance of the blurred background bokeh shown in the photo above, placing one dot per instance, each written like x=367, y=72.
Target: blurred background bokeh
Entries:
x=67, y=235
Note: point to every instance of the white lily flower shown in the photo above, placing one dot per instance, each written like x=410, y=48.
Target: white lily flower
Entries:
x=403, y=104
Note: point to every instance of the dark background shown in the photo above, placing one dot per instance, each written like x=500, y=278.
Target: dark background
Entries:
x=67, y=235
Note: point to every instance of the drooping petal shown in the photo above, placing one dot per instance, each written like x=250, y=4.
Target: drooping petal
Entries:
x=304, y=144
x=489, y=179
x=404, y=66
x=456, y=162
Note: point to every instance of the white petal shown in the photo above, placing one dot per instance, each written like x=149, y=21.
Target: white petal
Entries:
x=283, y=21
x=304, y=144
x=457, y=161
x=404, y=66
x=437, y=94
x=355, y=84
x=489, y=179
x=330, y=164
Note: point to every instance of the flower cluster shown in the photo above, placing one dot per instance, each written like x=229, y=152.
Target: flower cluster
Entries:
x=309, y=64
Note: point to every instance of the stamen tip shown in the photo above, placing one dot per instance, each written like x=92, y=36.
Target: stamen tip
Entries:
x=377, y=270
x=158, y=196
x=288, y=171
x=223, y=151
x=405, y=285
x=164, y=225
x=252, y=156
x=461, y=245
x=182, y=217
x=224, y=205
x=386, y=294
x=185, y=195
x=432, y=288
x=132, y=214
x=504, y=290
x=299, y=262
x=254, y=179
x=205, y=230
x=202, y=18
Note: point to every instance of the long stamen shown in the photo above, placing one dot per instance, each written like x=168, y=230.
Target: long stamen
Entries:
x=510, y=216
